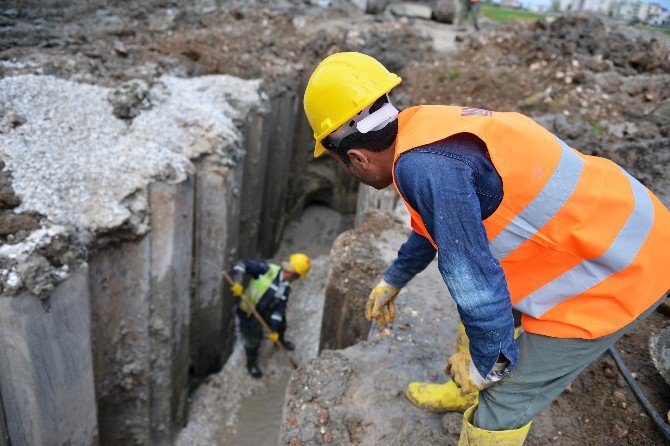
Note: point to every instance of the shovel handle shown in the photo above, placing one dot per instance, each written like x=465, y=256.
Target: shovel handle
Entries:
x=264, y=324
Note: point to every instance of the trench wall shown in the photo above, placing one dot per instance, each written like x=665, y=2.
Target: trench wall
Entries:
x=118, y=342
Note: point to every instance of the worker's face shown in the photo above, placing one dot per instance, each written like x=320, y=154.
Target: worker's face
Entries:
x=371, y=168
x=291, y=275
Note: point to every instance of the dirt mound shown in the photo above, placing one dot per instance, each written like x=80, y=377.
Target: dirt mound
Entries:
x=241, y=39
x=629, y=50
x=602, y=87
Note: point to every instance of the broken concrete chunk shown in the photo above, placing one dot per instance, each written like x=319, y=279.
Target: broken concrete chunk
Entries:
x=129, y=98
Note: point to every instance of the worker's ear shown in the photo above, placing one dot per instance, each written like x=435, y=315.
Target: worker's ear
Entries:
x=359, y=159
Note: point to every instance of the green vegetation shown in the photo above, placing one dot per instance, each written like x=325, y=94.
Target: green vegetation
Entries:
x=450, y=75
x=658, y=29
x=508, y=15
x=597, y=129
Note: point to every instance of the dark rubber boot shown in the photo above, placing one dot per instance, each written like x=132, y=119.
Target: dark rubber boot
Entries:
x=252, y=366
x=288, y=345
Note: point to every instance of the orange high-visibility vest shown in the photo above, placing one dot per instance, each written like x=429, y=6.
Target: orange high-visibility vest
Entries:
x=585, y=247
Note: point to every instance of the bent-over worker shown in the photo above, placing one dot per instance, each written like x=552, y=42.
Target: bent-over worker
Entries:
x=521, y=223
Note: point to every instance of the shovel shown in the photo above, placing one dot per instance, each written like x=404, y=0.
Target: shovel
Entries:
x=261, y=321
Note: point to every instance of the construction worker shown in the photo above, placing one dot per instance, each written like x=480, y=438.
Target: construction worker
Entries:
x=469, y=7
x=268, y=292
x=522, y=223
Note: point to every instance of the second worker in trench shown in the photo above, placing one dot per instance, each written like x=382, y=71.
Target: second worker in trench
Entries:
x=267, y=293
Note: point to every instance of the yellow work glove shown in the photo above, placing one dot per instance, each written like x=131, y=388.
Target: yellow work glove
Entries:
x=381, y=304
x=467, y=377
x=274, y=337
x=237, y=289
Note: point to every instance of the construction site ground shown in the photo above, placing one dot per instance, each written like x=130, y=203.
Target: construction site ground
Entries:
x=602, y=87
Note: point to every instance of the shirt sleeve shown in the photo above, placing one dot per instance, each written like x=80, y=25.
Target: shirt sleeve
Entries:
x=252, y=268
x=441, y=188
x=413, y=257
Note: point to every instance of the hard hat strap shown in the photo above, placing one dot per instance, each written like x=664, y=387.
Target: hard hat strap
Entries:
x=364, y=122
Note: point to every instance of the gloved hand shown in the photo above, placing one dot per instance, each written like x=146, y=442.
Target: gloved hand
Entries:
x=467, y=377
x=381, y=304
x=237, y=289
x=274, y=337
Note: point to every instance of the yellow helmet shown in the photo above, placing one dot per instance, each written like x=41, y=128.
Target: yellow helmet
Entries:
x=342, y=85
x=300, y=263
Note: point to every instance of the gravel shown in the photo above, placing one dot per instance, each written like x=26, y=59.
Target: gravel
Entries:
x=74, y=162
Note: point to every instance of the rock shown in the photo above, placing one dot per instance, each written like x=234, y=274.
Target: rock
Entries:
x=620, y=431
x=661, y=114
x=619, y=397
x=534, y=102
x=9, y=120
x=376, y=6
x=356, y=268
x=8, y=199
x=365, y=401
x=129, y=98
x=11, y=222
x=659, y=348
x=120, y=48
x=444, y=11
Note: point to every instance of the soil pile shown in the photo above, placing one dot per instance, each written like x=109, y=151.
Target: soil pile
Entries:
x=602, y=87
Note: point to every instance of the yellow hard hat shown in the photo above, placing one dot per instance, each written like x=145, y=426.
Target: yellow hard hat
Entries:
x=342, y=85
x=300, y=263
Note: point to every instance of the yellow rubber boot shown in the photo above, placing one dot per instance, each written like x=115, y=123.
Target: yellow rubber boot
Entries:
x=439, y=397
x=443, y=397
x=474, y=436
x=448, y=396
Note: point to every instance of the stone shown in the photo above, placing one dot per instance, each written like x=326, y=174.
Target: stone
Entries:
x=619, y=397
x=362, y=386
x=46, y=370
x=620, y=431
x=216, y=235
x=355, y=269
x=129, y=98
x=169, y=315
x=119, y=278
x=282, y=128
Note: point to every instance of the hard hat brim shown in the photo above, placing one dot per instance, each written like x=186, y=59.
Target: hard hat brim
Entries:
x=319, y=149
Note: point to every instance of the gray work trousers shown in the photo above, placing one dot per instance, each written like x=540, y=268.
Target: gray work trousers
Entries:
x=545, y=368
x=469, y=7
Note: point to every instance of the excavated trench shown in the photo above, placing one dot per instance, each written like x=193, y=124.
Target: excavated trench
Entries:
x=159, y=204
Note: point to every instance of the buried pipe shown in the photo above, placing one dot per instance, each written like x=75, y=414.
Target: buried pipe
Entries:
x=639, y=394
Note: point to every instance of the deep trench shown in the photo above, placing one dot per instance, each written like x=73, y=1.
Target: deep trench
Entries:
x=260, y=414
x=314, y=216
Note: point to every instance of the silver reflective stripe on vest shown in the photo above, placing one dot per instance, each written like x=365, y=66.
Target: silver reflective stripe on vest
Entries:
x=544, y=206
x=589, y=273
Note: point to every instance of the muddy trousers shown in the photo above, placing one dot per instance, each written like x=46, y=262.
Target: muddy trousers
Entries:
x=252, y=332
x=545, y=368
x=472, y=8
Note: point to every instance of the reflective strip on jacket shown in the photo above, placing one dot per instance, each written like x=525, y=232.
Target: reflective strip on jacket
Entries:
x=258, y=287
x=584, y=246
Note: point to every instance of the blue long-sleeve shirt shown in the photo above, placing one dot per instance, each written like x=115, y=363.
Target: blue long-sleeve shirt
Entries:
x=272, y=305
x=454, y=186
